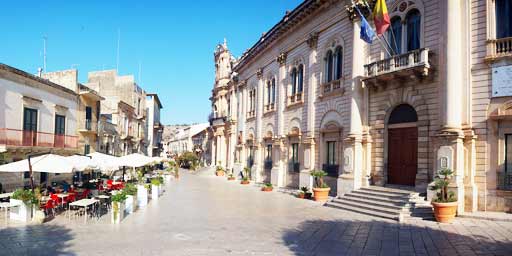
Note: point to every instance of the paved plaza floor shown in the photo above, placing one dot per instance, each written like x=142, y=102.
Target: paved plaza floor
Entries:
x=206, y=215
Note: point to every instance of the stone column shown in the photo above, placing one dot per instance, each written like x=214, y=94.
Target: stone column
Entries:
x=450, y=154
x=257, y=167
x=277, y=172
x=353, y=151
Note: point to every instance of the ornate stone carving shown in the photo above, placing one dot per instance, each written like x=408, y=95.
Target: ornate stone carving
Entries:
x=282, y=58
x=259, y=73
x=313, y=40
x=364, y=7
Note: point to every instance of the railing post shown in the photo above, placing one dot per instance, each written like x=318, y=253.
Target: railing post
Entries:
x=392, y=63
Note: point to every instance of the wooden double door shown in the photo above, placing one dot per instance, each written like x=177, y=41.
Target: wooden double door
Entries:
x=402, y=155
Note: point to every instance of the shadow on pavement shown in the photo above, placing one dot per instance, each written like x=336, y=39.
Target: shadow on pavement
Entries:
x=35, y=240
x=344, y=237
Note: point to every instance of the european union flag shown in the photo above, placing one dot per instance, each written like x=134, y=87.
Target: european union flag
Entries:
x=367, y=33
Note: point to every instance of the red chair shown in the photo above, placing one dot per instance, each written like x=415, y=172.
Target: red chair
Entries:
x=84, y=194
x=49, y=207
x=55, y=198
x=109, y=184
x=71, y=197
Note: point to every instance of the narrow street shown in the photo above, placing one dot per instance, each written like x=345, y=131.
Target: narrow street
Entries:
x=201, y=214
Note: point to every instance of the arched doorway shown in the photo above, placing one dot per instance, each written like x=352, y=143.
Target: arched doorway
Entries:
x=402, y=145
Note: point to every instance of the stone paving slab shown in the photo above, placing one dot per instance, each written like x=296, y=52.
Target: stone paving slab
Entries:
x=207, y=215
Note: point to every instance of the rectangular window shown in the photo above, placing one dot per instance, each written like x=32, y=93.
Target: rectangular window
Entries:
x=87, y=149
x=503, y=18
x=26, y=175
x=508, y=153
x=331, y=153
x=273, y=91
x=269, y=152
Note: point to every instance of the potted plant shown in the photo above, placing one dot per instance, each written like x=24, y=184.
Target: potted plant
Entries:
x=131, y=197
x=219, y=171
x=267, y=187
x=304, y=193
x=320, y=190
x=155, y=187
x=231, y=177
x=118, y=207
x=245, y=179
x=445, y=203
x=24, y=199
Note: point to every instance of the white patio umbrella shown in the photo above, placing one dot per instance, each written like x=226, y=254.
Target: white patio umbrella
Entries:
x=104, y=162
x=82, y=163
x=135, y=160
x=49, y=163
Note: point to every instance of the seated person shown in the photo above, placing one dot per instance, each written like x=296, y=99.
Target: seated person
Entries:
x=65, y=186
x=50, y=189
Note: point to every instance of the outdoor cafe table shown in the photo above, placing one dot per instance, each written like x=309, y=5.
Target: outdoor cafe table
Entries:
x=62, y=196
x=84, y=203
x=6, y=206
x=6, y=195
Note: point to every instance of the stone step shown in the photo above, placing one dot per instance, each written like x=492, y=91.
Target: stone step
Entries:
x=357, y=209
x=391, y=190
x=385, y=193
x=385, y=204
x=375, y=198
x=374, y=206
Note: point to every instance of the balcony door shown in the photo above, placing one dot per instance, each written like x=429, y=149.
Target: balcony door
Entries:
x=88, y=118
x=60, y=131
x=29, y=127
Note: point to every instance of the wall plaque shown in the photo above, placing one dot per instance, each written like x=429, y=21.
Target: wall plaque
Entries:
x=502, y=81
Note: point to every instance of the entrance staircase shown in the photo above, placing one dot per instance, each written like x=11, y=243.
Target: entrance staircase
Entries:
x=385, y=202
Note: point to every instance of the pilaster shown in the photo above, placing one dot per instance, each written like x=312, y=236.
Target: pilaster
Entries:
x=277, y=173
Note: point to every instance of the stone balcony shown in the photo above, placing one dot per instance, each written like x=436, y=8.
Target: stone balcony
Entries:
x=413, y=64
x=498, y=48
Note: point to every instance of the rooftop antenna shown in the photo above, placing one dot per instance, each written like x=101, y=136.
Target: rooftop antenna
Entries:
x=45, y=38
x=118, y=41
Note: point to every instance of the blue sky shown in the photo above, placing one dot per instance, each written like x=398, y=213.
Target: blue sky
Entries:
x=173, y=41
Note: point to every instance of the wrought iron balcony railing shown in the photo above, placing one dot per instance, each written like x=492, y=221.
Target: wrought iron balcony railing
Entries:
x=21, y=138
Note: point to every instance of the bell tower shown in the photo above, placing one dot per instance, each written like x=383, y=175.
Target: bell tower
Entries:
x=223, y=64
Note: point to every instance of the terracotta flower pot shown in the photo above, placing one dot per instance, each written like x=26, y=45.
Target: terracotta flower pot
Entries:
x=219, y=173
x=231, y=178
x=301, y=195
x=245, y=182
x=321, y=194
x=445, y=212
x=266, y=189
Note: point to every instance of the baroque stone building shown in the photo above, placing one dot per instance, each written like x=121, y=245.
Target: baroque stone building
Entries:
x=310, y=94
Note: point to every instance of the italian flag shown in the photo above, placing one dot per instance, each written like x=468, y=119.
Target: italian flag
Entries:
x=381, y=17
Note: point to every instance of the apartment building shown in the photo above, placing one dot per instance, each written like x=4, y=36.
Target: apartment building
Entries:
x=36, y=116
x=310, y=94
x=124, y=105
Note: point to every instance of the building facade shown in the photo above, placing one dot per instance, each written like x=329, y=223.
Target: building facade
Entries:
x=181, y=139
x=125, y=105
x=154, y=128
x=36, y=116
x=310, y=94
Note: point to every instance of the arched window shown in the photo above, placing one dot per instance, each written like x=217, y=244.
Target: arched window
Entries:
x=268, y=92
x=338, y=62
x=403, y=113
x=328, y=66
x=395, y=35
x=273, y=90
x=300, y=80
x=294, y=81
x=413, y=21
